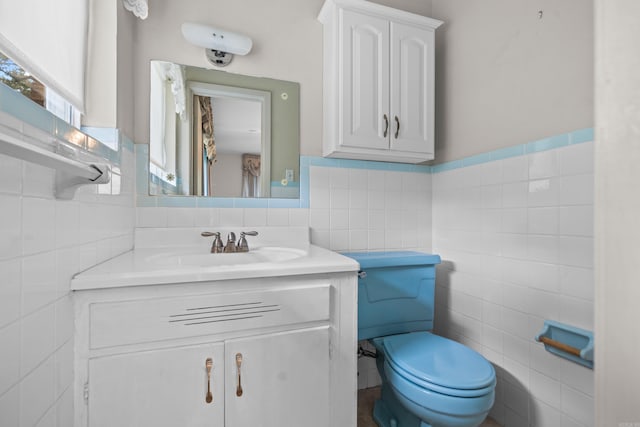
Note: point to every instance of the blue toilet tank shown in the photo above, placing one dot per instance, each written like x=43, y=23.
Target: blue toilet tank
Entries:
x=396, y=292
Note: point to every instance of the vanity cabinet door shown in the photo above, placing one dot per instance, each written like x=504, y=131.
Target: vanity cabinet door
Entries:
x=284, y=380
x=160, y=388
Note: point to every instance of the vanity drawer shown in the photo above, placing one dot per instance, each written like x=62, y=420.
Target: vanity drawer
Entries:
x=159, y=319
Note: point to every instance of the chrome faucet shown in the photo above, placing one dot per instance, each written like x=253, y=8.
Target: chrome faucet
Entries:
x=230, y=247
x=243, y=246
x=216, y=246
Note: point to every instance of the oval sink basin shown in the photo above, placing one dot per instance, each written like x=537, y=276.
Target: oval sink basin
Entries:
x=193, y=258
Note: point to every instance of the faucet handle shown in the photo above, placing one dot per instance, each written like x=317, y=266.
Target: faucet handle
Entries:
x=216, y=246
x=243, y=246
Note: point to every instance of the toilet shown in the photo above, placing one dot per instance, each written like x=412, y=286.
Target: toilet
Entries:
x=427, y=380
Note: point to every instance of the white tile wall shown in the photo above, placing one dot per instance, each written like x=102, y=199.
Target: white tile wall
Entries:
x=152, y=217
x=43, y=242
x=366, y=209
x=363, y=209
x=516, y=239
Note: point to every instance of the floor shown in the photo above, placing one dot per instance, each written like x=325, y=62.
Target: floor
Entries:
x=366, y=399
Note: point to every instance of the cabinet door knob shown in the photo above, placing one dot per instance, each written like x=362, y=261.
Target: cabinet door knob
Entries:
x=397, y=127
x=386, y=125
x=238, y=366
x=209, y=365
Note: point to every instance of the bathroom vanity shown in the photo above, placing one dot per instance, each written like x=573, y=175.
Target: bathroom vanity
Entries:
x=165, y=339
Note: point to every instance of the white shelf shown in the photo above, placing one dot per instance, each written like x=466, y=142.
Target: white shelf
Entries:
x=70, y=173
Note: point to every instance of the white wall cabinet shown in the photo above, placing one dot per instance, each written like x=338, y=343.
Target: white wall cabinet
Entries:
x=378, y=82
x=141, y=353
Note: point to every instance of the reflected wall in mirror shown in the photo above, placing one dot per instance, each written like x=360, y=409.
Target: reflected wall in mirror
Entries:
x=214, y=133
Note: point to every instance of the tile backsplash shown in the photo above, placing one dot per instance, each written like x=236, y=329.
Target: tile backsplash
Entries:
x=349, y=205
x=369, y=209
x=44, y=241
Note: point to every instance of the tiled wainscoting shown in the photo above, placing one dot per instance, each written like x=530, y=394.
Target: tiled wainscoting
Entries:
x=514, y=229
x=349, y=205
x=43, y=242
x=369, y=209
x=515, y=232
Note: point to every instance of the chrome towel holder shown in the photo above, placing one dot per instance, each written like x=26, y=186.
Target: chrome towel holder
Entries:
x=70, y=173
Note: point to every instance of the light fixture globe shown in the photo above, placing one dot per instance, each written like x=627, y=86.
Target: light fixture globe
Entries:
x=220, y=45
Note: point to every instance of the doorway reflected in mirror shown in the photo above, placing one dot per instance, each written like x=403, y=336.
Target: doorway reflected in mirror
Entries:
x=213, y=134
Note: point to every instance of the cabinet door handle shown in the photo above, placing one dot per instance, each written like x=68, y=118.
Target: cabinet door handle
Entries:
x=397, y=127
x=238, y=366
x=209, y=365
x=386, y=125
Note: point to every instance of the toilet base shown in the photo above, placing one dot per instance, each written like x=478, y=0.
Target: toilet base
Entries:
x=388, y=412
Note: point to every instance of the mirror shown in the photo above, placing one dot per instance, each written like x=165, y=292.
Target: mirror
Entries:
x=213, y=133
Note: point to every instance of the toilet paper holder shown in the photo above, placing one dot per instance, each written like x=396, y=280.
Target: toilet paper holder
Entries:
x=567, y=341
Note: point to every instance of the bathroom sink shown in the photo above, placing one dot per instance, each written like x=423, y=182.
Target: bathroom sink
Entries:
x=196, y=258
x=165, y=256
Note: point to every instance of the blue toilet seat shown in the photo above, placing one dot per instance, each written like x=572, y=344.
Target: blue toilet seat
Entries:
x=439, y=379
x=439, y=364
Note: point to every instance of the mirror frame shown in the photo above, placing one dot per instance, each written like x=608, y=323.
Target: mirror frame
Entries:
x=264, y=98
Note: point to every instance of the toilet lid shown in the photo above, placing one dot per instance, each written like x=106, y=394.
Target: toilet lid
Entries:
x=436, y=360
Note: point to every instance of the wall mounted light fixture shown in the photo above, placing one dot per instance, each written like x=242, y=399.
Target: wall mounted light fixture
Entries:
x=220, y=45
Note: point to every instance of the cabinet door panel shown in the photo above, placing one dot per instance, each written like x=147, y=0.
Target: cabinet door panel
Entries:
x=364, y=81
x=284, y=379
x=412, y=86
x=161, y=388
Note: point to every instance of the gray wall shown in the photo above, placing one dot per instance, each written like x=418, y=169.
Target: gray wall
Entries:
x=287, y=45
x=125, y=70
x=506, y=77
x=503, y=75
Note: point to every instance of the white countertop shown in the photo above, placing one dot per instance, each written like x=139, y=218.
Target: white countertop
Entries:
x=138, y=268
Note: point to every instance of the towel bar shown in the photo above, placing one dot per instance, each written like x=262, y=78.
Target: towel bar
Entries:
x=70, y=173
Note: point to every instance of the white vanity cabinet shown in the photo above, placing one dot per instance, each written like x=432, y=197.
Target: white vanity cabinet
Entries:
x=288, y=342
x=378, y=82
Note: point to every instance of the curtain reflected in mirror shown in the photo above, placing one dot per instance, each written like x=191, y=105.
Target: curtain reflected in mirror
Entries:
x=250, y=175
x=205, y=143
x=214, y=140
